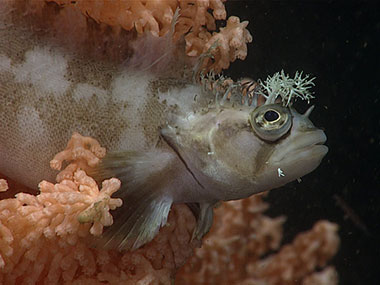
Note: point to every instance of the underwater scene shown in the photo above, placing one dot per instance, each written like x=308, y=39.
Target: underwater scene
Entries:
x=189, y=142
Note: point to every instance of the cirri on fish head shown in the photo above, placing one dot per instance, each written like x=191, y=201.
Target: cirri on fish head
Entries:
x=169, y=140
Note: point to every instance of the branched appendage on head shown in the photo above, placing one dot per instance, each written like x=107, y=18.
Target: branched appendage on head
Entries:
x=242, y=92
x=82, y=152
x=222, y=87
x=288, y=89
x=277, y=88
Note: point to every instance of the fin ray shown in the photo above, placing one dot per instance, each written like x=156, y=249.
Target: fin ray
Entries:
x=146, y=205
x=138, y=221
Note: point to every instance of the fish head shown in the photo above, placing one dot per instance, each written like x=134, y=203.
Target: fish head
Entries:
x=237, y=152
x=292, y=148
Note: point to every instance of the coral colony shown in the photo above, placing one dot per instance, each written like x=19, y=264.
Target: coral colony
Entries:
x=44, y=236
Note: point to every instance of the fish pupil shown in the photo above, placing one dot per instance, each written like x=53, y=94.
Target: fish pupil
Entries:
x=271, y=116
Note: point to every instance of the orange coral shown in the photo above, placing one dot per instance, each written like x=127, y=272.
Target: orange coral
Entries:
x=325, y=277
x=44, y=237
x=308, y=251
x=152, y=16
x=3, y=185
x=239, y=229
x=196, y=23
x=223, y=47
x=232, y=251
x=82, y=152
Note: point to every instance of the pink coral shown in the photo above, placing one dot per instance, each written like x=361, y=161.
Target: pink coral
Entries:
x=82, y=152
x=232, y=251
x=44, y=238
x=3, y=185
x=195, y=23
x=325, y=277
x=308, y=251
x=152, y=16
x=223, y=47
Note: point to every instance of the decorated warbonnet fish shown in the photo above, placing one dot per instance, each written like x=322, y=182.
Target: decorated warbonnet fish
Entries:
x=168, y=140
x=225, y=151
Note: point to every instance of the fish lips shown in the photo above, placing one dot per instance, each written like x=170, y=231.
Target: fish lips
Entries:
x=306, y=149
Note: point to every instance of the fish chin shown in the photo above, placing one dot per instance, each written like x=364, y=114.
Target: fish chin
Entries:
x=303, y=161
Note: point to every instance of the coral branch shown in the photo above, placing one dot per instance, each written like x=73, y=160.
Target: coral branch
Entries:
x=196, y=24
x=308, y=251
x=3, y=185
x=83, y=152
x=232, y=251
x=327, y=276
x=44, y=238
x=231, y=43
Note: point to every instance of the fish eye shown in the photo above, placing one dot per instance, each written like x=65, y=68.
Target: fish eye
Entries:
x=271, y=122
x=271, y=115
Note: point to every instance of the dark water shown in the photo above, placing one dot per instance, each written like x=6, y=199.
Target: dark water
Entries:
x=339, y=43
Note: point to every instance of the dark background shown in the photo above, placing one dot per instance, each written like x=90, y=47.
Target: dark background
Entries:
x=337, y=42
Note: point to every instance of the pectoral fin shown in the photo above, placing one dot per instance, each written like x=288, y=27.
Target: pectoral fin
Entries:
x=142, y=215
x=146, y=205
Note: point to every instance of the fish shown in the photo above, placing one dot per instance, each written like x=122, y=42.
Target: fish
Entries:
x=169, y=138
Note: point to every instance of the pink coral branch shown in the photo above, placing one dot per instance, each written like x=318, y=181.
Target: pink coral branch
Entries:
x=196, y=23
x=44, y=238
x=3, y=185
x=242, y=234
x=85, y=151
x=231, y=44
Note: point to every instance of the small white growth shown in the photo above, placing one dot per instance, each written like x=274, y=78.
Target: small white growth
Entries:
x=83, y=92
x=281, y=85
x=183, y=98
x=45, y=70
x=131, y=89
x=280, y=172
x=5, y=63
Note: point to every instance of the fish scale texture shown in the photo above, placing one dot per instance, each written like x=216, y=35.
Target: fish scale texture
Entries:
x=46, y=94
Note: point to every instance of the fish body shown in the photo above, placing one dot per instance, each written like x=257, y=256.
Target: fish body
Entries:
x=169, y=140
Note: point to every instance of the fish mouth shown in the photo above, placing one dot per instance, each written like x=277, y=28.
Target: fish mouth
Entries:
x=306, y=146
